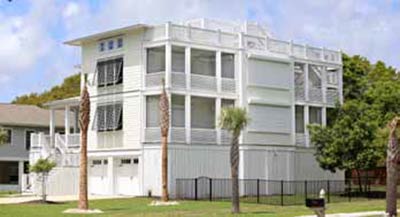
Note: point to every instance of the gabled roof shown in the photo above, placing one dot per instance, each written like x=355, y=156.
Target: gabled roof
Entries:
x=28, y=116
x=106, y=34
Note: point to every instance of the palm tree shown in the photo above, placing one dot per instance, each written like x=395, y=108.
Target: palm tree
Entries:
x=164, y=125
x=84, y=118
x=234, y=120
x=392, y=161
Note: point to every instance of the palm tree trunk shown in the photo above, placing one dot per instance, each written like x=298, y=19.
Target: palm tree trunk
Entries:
x=84, y=118
x=391, y=169
x=164, y=169
x=234, y=158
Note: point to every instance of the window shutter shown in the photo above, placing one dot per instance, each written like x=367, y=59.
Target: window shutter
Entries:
x=100, y=74
x=110, y=117
x=101, y=119
x=118, y=115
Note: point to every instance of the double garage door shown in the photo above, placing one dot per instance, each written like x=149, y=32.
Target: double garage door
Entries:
x=124, y=181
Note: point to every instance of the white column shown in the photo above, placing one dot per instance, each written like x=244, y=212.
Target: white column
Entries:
x=217, y=113
x=110, y=175
x=67, y=126
x=306, y=122
x=242, y=79
x=187, y=67
x=188, y=118
x=20, y=175
x=52, y=127
x=168, y=64
x=340, y=83
x=306, y=85
x=323, y=115
x=323, y=83
x=218, y=70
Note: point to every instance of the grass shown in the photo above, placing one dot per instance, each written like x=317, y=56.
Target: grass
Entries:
x=139, y=207
x=7, y=193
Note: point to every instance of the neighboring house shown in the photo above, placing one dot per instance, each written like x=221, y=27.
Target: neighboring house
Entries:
x=207, y=65
x=20, y=121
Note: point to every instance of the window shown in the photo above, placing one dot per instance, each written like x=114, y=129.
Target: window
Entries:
x=152, y=113
x=111, y=44
x=135, y=160
x=96, y=162
x=178, y=111
x=203, y=112
x=203, y=62
x=9, y=136
x=28, y=134
x=156, y=59
x=108, y=118
x=315, y=115
x=299, y=119
x=178, y=59
x=225, y=103
x=110, y=72
x=120, y=43
x=227, y=65
x=101, y=46
x=126, y=161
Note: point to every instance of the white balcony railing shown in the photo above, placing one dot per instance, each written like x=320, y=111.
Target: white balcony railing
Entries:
x=300, y=93
x=178, y=80
x=203, y=82
x=301, y=139
x=154, y=79
x=203, y=135
x=315, y=94
x=207, y=36
x=228, y=85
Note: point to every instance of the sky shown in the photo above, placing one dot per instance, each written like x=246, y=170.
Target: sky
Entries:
x=33, y=57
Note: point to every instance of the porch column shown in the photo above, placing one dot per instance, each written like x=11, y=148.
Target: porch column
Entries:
x=306, y=122
x=110, y=175
x=20, y=175
x=188, y=118
x=217, y=113
x=52, y=127
x=218, y=70
x=67, y=126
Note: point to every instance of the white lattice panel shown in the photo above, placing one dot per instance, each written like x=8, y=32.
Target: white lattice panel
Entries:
x=154, y=79
x=315, y=94
x=228, y=85
x=178, y=80
x=300, y=93
x=278, y=46
x=152, y=134
x=331, y=97
x=203, y=82
x=203, y=136
x=178, y=135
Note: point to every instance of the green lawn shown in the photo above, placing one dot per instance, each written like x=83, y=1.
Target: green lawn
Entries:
x=7, y=193
x=139, y=207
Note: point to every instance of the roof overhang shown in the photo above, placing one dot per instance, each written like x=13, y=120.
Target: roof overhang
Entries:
x=106, y=34
x=57, y=104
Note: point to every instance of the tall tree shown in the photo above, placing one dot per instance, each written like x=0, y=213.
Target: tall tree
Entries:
x=234, y=120
x=164, y=126
x=84, y=118
x=392, y=166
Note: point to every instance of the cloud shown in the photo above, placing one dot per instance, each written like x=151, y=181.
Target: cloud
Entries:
x=71, y=9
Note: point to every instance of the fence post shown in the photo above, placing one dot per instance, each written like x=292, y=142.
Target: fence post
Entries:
x=210, y=189
x=195, y=189
x=329, y=191
x=258, y=190
x=281, y=192
x=305, y=189
x=350, y=189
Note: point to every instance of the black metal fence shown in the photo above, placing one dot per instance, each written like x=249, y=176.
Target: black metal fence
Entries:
x=275, y=192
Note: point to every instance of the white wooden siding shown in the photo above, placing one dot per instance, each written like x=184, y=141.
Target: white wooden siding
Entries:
x=131, y=122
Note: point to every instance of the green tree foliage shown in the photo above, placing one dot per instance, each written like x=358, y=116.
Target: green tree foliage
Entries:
x=42, y=167
x=356, y=137
x=3, y=136
x=69, y=88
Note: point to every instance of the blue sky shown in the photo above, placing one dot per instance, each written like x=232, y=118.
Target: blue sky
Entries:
x=33, y=57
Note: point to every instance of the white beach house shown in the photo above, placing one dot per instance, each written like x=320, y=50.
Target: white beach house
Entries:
x=207, y=65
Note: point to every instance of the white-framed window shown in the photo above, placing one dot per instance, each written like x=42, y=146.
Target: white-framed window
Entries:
x=126, y=161
x=155, y=59
x=96, y=162
x=110, y=44
x=110, y=72
x=120, y=43
x=178, y=110
x=227, y=65
x=9, y=134
x=178, y=59
x=108, y=118
x=203, y=113
x=152, y=111
x=315, y=115
x=102, y=46
x=299, y=110
x=203, y=62
x=28, y=134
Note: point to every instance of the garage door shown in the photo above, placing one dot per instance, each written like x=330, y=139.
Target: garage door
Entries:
x=127, y=182
x=98, y=181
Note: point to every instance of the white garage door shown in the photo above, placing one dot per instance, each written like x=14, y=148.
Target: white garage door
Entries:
x=98, y=181
x=127, y=182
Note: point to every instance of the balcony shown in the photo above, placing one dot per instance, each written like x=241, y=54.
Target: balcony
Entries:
x=251, y=42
